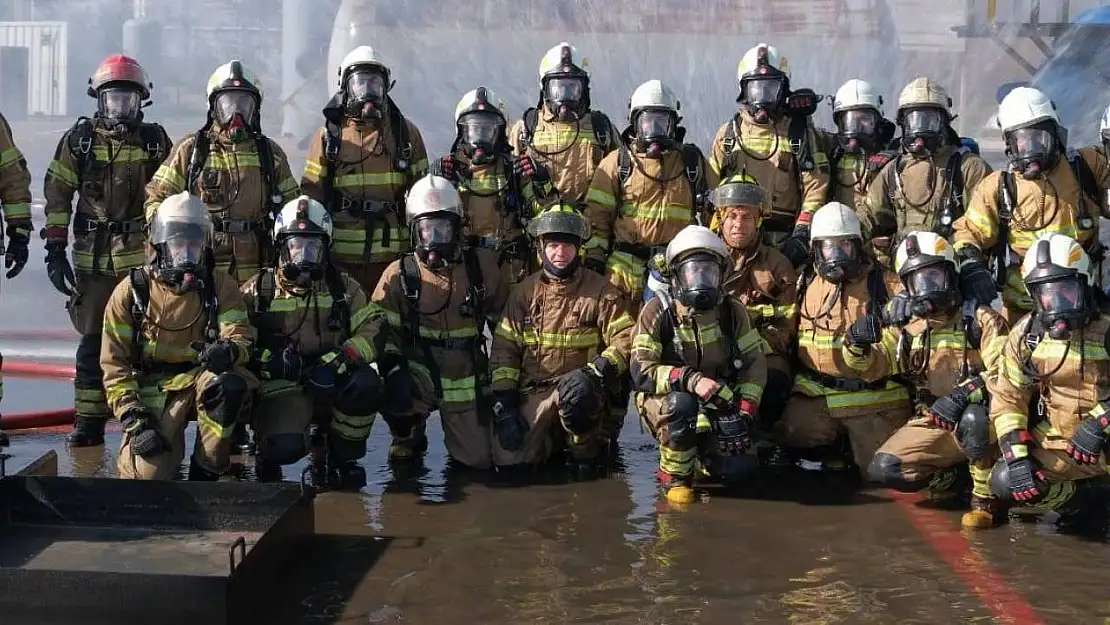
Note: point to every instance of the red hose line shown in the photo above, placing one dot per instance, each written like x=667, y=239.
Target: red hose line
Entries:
x=37, y=419
x=24, y=369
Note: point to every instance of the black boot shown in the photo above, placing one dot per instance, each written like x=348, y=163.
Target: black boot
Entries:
x=1088, y=510
x=198, y=473
x=87, y=432
x=241, y=440
x=4, y=441
x=348, y=475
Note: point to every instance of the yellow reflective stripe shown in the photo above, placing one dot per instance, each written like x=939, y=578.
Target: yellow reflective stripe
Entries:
x=18, y=210
x=751, y=390
x=1007, y=422
x=571, y=339
x=230, y=161
x=656, y=212
x=604, y=198
x=1055, y=349
x=57, y=219
x=891, y=393
x=749, y=341
x=468, y=331
x=420, y=167
x=662, y=375
x=505, y=374
x=231, y=316
x=459, y=390
x=119, y=154
x=168, y=176
x=677, y=463
x=313, y=169
x=363, y=314
x=287, y=187
x=811, y=206
x=506, y=331
x=388, y=178
x=168, y=354
x=820, y=340
x=121, y=259
x=596, y=242
x=562, y=137
x=208, y=424
x=363, y=346
x=646, y=343
x=352, y=427
x=613, y=355
x=120, y=331
x=497, y=183
x=858, y=361
x=64, y=173
x=10, y=156
x=710, y=333
x=1022, y=240
x=621, y=323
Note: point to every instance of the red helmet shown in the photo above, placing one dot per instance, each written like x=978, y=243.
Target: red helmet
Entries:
x=120, y=68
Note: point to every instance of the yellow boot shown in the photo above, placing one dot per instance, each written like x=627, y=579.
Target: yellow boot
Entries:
x=680, y=494
x=985, y=513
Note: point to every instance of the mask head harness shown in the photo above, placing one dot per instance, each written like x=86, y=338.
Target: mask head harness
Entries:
x=1035, y=149
x=365, y=91
x=480, y=130
x=764, y=91
x=930, y=281
x=838, y=259
x=696, y=279
x=1062, y=300
x=302, y=249
x=565, y=90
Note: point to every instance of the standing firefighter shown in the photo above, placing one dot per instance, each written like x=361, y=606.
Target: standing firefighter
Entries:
x=1054, y=362
x=772, y=138
x=762, y=279
x=946, y=347
x=241, y=175
x=860, y=143
x=560, y=347
x=926, y=187
x=175, y=337
x=361, y=163
x=500, y=193
x=698, y=369
x=440, y=300
x=106, y=162
x=840, y=304
x=562, y=133
x=1047, y=189
x=317, y=335
x=15, y=199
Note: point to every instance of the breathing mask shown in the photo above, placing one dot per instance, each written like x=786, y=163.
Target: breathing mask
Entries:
x=364, y=93
x=923, y=130
x=857, y=130
x=1061, y=305
x=551, y=268
x=655, y=131
x=303, y=259
x=837, y=260
x=436, y=239
x=119, y=106
x=697, y=281
x=565, y=97
x=235, y=110
x=480, y=135
x=933, y=290
x=764, y=97
x=1034, y=150
x=180, y=255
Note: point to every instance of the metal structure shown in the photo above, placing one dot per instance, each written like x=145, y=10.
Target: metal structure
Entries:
x=34, y=68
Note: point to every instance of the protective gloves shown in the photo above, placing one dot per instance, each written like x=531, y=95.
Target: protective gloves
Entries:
x=864, y=332
x=947, y=411
x=1089, y=441
x=508, y=422
x=1027, y=480
x=217, y=356
x=58, y=268
x=139, y=424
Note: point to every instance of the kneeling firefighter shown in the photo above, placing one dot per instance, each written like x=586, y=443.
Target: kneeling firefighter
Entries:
x=842, y=297
x=563, y=341
x=439, y=301
x=763, y=279
x=698, y=368
x=1056, y=360
x=317, y=336
x=945, y=347
x=175, y=338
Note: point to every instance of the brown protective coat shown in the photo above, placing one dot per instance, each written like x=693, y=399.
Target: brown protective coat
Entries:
x=569, y=151
x=767, y=280
x=15, y=181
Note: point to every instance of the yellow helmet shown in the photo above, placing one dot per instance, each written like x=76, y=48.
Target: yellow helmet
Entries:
x=741, y=190
x=560, y=218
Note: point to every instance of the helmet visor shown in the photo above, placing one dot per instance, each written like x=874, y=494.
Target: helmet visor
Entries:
x=564, y=89
x=435, y=231
x=1030, y=143
x=858, y=122
x=928, y=280
x=927, y=121
x=183, y=244
x=652, y=124
x=119, y=104
x=835, y=251
x=698, y=274
x=1060, y=297
x=765, y=92
x=228, y=104
x=480, y=128
x=307, y=250
x=365, y=85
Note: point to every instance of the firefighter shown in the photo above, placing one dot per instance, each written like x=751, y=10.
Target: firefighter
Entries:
x=772, y=138
x=1047, y=189
x=563, y=341
x=698, y=368
x=1054, y=362
x=926, y=187
x=840, y=303
x=859, y=147
x=106, y=162
x=498, y=197
x=317, y=335
x=240, y=174
x=946, y=348
x=439, y=301
x=361, y=163
x=176, y=337
x=15, y=200
x=562, y=133
x=762, y=279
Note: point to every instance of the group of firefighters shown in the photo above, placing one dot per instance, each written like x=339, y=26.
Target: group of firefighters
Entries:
x=799, y=294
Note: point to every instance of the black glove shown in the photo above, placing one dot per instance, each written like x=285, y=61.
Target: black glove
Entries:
x=899, y=310
x=947, y=411
x=796, y=247
x=1089, y=441
x=595, y=265
x=525, y=165
x=58, y=269
x=324, y=377
x=579, y=397
x=218, y=356
x=976, y=281
x=139, y=425
x=446, y=167
x=15, y=257
x=1027, y=481
x=508, y=422
x=288, y=364
x=732, y=426
x=865, y=331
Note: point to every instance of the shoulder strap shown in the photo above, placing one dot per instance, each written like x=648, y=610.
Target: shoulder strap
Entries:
x=691, y=162
x=728, y=144
x=340, y=316
x=667, y=336
x=212, y=303
x=140, y=296
x=973, y=332
x=952, y=207
x=834, y=175
x=197, y=158
x=81, y=144
x=624, y=164
x=727, y=322
x=155, y=142
x=331, y=138
x=798, y=134
x=601, y=124
x=1088, y=187
x=265, y=288
x=269, y=176
x=410, y=279
x=402, y=160
x=528, y=128
x=876, y=291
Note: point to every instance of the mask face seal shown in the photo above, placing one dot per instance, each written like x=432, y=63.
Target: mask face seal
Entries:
x=698, y=282
x=302, y=259
x=565, y=97
x=932, y=290
x=1033, y=151
x=923, y=130
x=436, y=239
x=119, y=106
x=234, y=111
x=857, y=130
x=1061, y=305
x=480, y=134
x=180, y=255
x=364, y=92
x=764, y=98
x=655, y=132
x=837, y=260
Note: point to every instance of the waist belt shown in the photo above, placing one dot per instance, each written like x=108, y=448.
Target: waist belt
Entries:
x=368, y=208
x=83, y=225
x=237, y=226
x=640, y=250
x=489, y=243
x=469, y=343
x=167, y=368
x=843, y=384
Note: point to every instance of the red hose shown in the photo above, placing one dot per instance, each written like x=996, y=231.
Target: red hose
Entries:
x=38, y=419
x=24, y=369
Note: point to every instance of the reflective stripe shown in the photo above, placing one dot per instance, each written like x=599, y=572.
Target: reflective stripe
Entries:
x=503, y=373
x=677, y=463
x=62, y=173
x=458, y=391
x=119, y=260
x=58, y=219
x=312, y=170
x=571, y=339
x=363, y=180
x=351, y=427
x=604, y=198
x=18, y=210
x=656, y=212
x=10, y=156
x=1009, y=422
x=467, y=331
x=892, y=393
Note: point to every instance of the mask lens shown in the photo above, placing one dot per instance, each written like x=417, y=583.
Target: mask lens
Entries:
x=184, y=244
x=231, y=103
x=858, y=122
x=928, y=280
x=1029, y=143
x=305, y=250
x=481, y=128
x=654, y=124
x=364, y=86
x=119, y=104
x=836, y=250
x=1060, y=297
x=699, y=275
x=923, y=121
x=435, y=231
x=765, y=93
x=564, y=89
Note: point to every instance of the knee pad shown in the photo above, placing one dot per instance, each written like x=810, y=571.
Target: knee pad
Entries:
x=973, y=431
x=283, y=448
x=1000, y=480
x=680, y=413
x=224, y=398
x=886, y=469
x=361, y=394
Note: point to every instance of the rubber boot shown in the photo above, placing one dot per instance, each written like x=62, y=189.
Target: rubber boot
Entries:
x=4, y=441
x=87, y=432
x=348, y=475
x=198, y=473
x=241, y=440
x=409, y=448
x=1087, y=510
x=985, y=513
x=678, y=490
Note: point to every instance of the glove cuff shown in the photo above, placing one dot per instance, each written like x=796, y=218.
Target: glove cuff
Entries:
x=747, y=407
x=604, y=369
x=1015, y=445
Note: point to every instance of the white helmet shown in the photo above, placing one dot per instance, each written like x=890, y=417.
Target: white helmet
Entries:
x=432, y=194
x=692, y=239
x=363, y=55
x=180, y=232
x=1023, y=107
x=302, y=215
x=857, y=94
x=563, y=59
x=434, y=210
x=924, y=92
x=233, y=75
x=1054, y=256
x=653, y=94
x=921, y=248
x=1060, y=279
x=834, y=220
x=761, y=56
x=695, y=281
x=480, y=99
